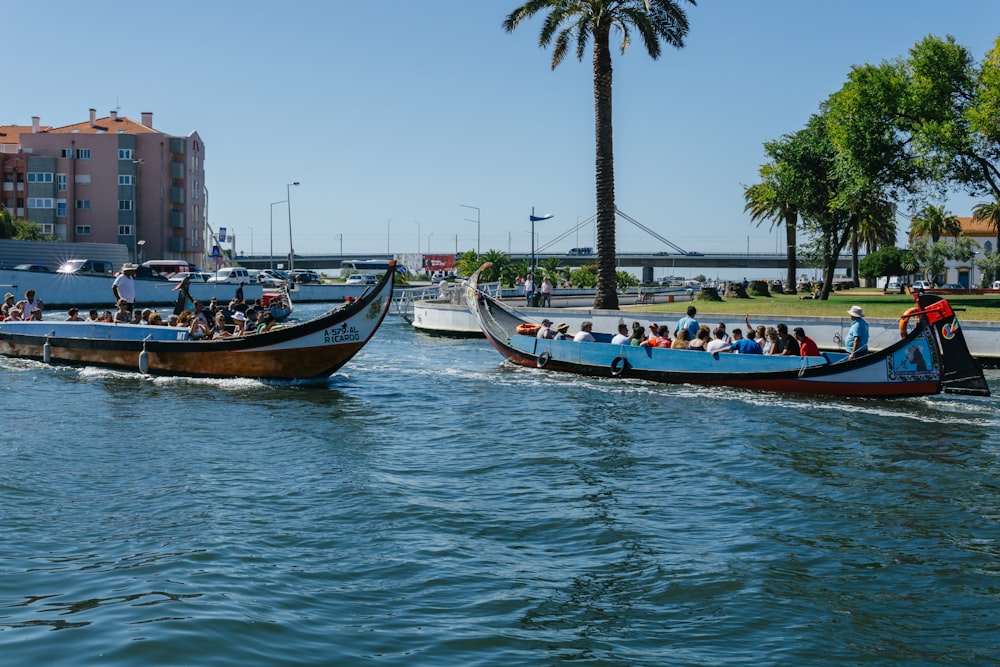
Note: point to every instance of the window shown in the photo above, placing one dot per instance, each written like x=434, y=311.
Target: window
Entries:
x=82, y=204
x=40, y=202
x=126, y=179
x=83, y=154
x=48, y=228
x=83, y=230
x=124, y=153
x=988, y=247
x=66, y=152
x=124, y=204
x=82, y=179
x=61, y=208
x=124, y=230
x=61, y=182
x=39, y=177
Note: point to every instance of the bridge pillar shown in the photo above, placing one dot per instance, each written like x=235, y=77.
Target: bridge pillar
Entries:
x=647, y=275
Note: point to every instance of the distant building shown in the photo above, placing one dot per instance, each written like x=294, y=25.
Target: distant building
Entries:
x=109, y=180
x=983, y=238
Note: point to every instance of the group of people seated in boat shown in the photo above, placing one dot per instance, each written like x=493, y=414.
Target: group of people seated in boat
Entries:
x=689, y=334
x=28, y=308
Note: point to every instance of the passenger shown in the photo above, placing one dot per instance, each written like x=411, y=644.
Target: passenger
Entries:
x=183, y=296
x=681, y=341
x=124, y=286
x=741, y=345
x=267, y=322
x=546, y=330
x=561, y=331
x=137, y=317
x=584, y=335
x=199, y=314
x=173, y=320
x=92, y=316
x=29, y=303
x=220, y=330
x=856, y=341
x=74, y=315
x=144, y=316
x=638, y=335
x=718, y=341
x=773, y=342
x=725, y=336
x=807, y=346
x=156, y=319
x=16, y=312
x=660, y=340
x=122, y=315
x=688, y=322
x=106, y=316
x=654, y=330
x=621, y=338
x=36, y=314
x=239, y=323
x=789, y=346
x=8, y=302
x=700, y=342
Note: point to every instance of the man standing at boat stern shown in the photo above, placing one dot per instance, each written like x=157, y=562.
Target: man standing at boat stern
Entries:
x=856, y=342
x=124, y=286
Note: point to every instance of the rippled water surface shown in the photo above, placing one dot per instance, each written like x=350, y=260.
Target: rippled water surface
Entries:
x=431, y=506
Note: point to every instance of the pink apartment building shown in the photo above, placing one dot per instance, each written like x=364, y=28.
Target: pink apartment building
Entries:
x=109, y=180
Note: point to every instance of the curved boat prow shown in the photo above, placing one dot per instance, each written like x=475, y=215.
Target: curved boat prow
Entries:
x=962, y=373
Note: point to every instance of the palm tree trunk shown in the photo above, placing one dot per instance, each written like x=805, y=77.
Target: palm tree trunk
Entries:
x=606, y=295
x=791, y=222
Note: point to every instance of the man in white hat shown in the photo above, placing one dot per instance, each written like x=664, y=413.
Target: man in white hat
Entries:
x=124, y=286
x=546, y=330
x=8, y=303
x=857, y=336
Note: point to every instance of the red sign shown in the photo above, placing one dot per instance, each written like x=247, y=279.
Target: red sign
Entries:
x=439, y=262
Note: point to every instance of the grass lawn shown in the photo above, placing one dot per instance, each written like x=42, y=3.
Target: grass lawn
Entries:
x=874, y=303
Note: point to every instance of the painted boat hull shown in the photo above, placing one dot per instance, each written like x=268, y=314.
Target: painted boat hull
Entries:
x=313, y=349
x=913, y=366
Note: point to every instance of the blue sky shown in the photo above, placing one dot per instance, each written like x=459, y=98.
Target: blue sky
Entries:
x=393, y=114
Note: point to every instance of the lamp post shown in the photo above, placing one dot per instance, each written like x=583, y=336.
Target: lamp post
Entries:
x=288, y=202
x=273, y=204
x=251, y=240
x=388, y=227
x=429, y=242
x=140, y=253
x=135, y=210
x=478, y=228
x=418, y=236
x=534, y=219
x=341, y=237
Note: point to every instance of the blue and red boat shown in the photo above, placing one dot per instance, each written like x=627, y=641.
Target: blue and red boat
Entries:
x=931, y=358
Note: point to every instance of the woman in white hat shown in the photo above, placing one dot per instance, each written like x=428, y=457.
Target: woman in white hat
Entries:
x=856, y=342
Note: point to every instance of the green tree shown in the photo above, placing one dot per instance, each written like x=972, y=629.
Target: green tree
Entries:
x=626, y=280
x=882, y=263
x=585, y=276
x=583, y=22
x=7, y=227
x=933, y=222
x=467, y=263
x=990, y=212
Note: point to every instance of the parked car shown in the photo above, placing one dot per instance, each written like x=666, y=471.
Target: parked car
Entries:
x=195, y=276
x=996, y=284
x=234, y=275
x=32, y=267
x=922, y=284
x=86, y=266
x=952, y=286
x=305, y=277
x=362, y=279
x=271, y=278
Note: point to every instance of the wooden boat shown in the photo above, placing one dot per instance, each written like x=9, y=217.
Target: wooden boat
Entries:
x=313, y=349
x=930, y=359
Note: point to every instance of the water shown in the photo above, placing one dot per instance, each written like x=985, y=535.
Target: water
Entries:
x=429, y=506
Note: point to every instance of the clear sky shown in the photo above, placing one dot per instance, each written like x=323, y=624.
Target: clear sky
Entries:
x=392, y=114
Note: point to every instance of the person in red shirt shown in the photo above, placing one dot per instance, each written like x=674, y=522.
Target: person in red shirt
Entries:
x=807, y=346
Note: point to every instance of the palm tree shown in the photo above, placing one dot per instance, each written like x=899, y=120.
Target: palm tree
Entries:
x=764, y=203
x=581, y=21
x=934, y=222
x=989, y=212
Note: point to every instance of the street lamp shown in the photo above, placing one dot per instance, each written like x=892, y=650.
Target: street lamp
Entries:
x=478, y=228
x=429, y=242
x=273, y=204
x=418, y=236
x=341, y=237
x=388, y=227
x=534, y=219
x=251, y=240
x=288, y=202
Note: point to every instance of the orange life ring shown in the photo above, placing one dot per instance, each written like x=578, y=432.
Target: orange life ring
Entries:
x=528, y=329
x=904, y=321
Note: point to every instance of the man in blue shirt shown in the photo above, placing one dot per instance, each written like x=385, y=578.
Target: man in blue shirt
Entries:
x=688, y=322
x=856, y=341
x=744, y=345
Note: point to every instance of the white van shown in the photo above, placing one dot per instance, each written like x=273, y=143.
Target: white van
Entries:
x=996, y=284
x=233, y=275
